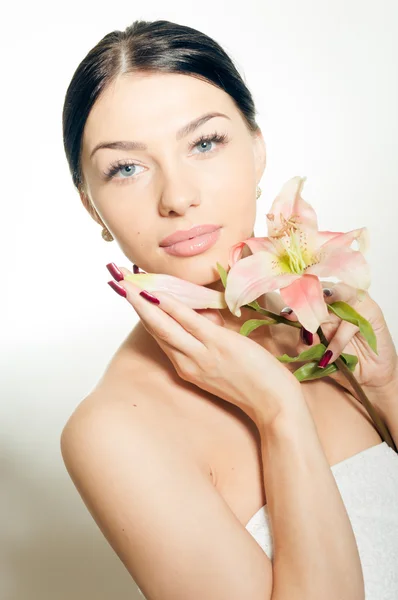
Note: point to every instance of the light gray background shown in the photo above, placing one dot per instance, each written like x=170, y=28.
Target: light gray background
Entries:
x=324, y=76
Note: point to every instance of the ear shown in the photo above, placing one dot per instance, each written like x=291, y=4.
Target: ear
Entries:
x=260, y=154
x=89, y=207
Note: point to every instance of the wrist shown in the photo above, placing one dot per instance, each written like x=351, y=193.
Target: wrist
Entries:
x=285, y=417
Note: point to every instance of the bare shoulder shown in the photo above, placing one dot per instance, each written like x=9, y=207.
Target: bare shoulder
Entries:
x=147, y=492
x=140, y=383
x=141, y=391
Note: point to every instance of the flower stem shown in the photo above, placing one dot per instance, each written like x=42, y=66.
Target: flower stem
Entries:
x=341, y=366
x=362, y=397
x=274, y=316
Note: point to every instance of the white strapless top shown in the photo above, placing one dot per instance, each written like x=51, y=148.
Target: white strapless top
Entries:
x=368, y=484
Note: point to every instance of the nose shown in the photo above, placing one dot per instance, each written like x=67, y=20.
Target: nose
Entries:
x=177, y=197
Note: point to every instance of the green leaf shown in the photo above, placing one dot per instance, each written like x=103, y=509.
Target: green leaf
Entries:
x=347, y=313
x=314, y=353
x=223, y=274
x=252, y=324
x=311, y=370
x=350, y=360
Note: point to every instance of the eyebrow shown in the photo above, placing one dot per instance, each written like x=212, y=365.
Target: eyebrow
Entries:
x=184, y=131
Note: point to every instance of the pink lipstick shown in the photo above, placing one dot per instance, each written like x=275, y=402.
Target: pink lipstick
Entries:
x=191, y=242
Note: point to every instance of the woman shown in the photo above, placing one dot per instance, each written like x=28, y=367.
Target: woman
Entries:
x=210, y=470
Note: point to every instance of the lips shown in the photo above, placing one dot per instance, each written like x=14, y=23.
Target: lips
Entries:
x=180, y=236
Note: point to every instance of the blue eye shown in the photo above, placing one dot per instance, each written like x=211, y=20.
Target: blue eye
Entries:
x=119, y=166
x=207, y=139
x=131, y=167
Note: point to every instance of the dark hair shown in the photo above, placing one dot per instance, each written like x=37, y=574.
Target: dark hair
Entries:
x=146, y=46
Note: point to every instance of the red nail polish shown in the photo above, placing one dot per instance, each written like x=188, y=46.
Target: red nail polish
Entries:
x=136, y=269
x=306, y=336
x=149, y=297
x=325, y=359
x=114, y=271
x=118, y=288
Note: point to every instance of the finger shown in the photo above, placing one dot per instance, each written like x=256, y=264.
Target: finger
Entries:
x=288, y=314
x=163, y=327
x=125, y=271
x=212, y=314
x=197, y=324
x=344, y=334
x=175, y=320
x=339, y=292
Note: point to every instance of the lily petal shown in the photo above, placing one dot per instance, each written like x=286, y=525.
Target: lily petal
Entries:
x=339, y=240
x=191, y=294
x=253, y=276
x=326, y=236
x=256, y=244
x=289, y=204
x=346, y=264
x=305, y=297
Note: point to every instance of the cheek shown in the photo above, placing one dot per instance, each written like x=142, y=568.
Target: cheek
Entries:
x=238, y=174
x=240, y=198
x=137, y=239
x=136, y=234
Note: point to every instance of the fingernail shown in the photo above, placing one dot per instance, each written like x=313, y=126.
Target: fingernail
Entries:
x=287, y=310
x=327, y=292
x=306, y=336
x=114, y=271
x=325, y=359
x=149, y=297
x=118, y=288
x=136, y=269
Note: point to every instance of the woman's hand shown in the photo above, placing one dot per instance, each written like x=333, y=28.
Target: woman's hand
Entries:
x=373, y=371
x=216, y=359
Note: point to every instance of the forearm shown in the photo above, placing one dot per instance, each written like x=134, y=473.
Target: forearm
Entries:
x=315, y=551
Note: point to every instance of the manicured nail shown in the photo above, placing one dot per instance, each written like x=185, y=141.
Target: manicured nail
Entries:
x=149, y=297
x=136, y=269
x=325, y=359
x=118, y=288
x=287, y=310
x=306, y=336
x=114, y=271
x=327, y=292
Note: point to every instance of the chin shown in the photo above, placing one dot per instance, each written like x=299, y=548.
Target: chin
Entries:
x=205, y=272
x=201, y=272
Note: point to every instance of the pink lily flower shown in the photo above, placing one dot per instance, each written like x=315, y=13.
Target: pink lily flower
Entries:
x=191, y=294
x=292, y=258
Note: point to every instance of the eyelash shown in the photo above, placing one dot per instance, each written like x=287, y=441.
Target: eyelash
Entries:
x=221, y=138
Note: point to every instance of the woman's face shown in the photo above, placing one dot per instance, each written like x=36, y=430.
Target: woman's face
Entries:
x=176, y=182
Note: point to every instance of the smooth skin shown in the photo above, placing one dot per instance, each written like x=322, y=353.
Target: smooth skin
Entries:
x=173, y=185
x=151, y=497
x=222, y=362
